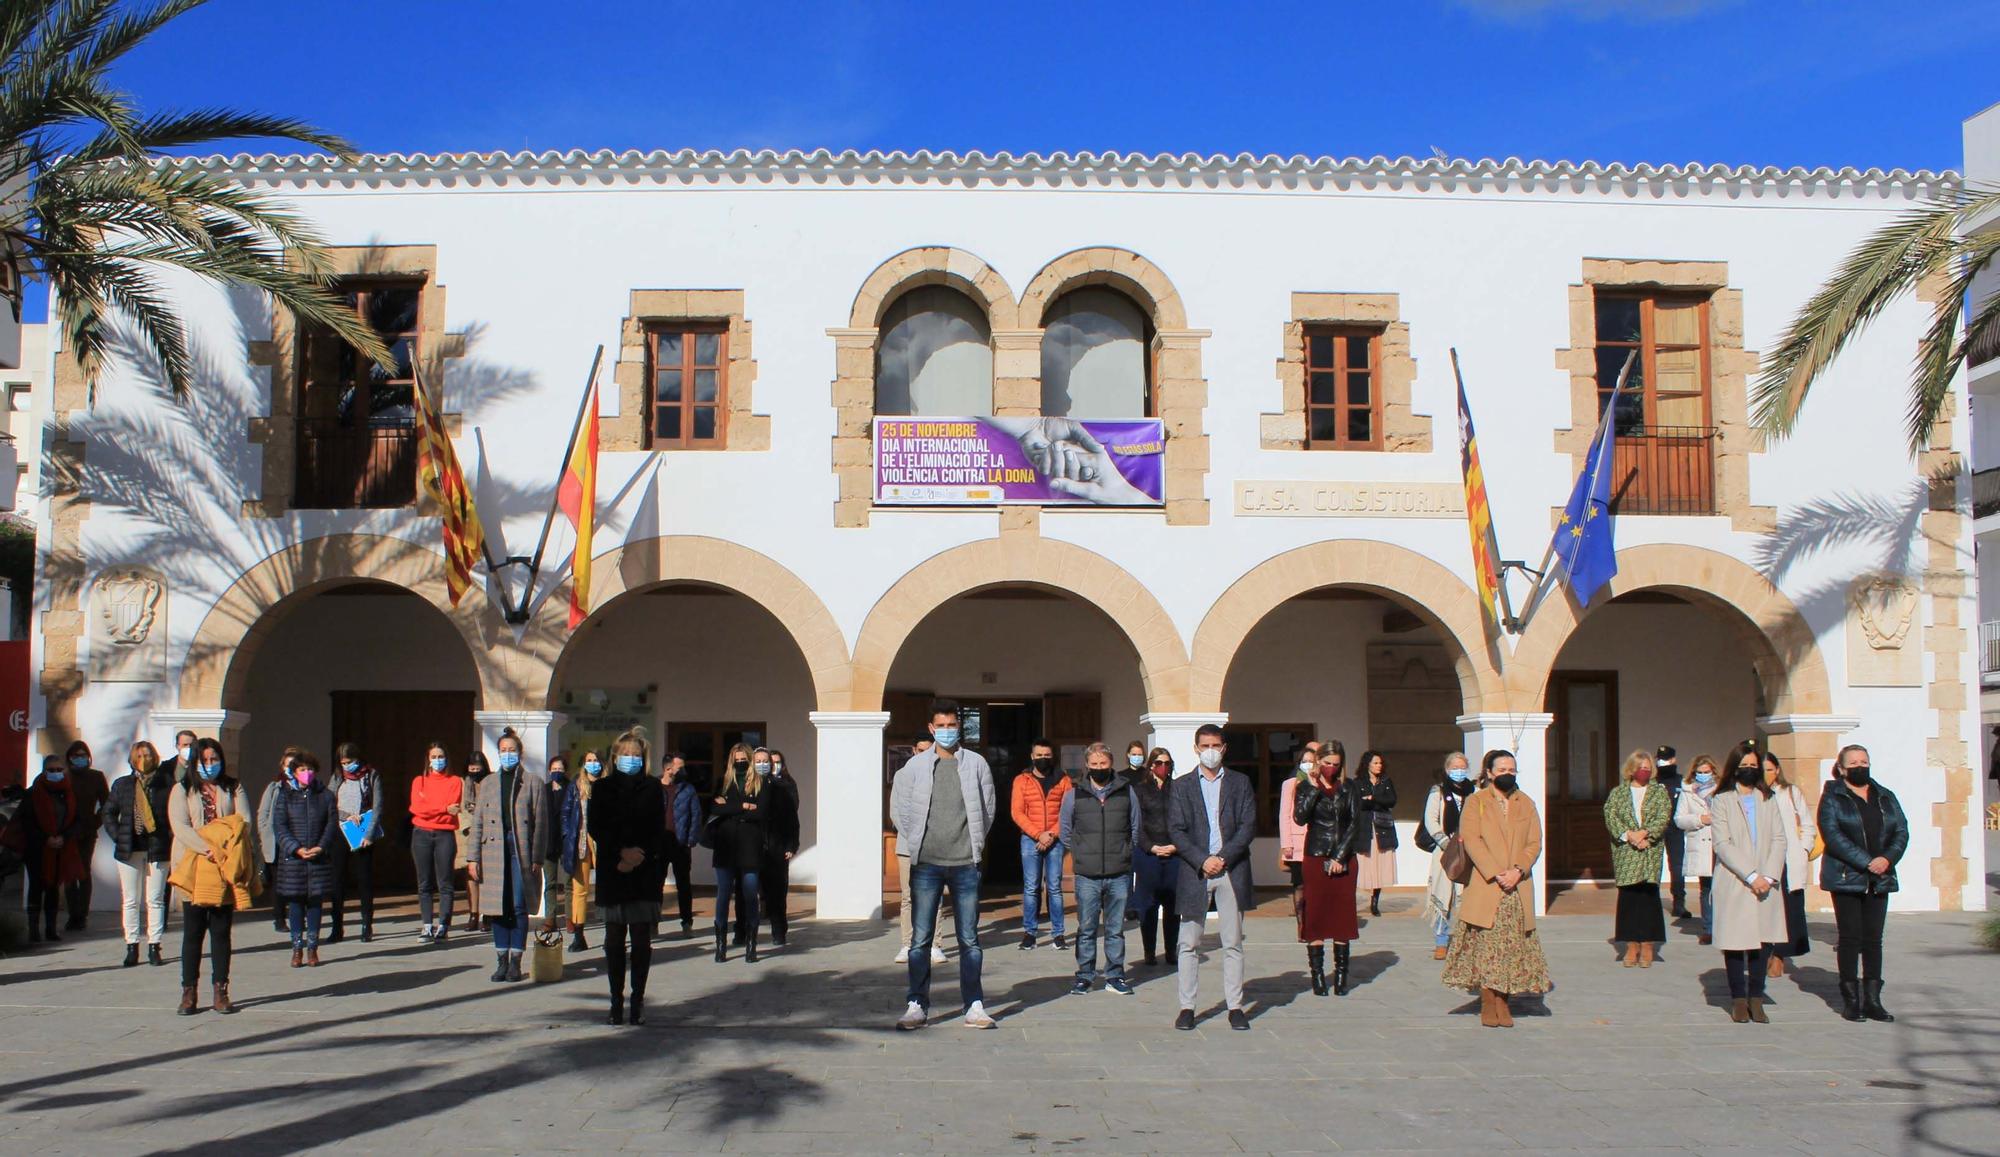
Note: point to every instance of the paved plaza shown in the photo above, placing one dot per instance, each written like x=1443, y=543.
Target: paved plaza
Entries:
x=391, y=1046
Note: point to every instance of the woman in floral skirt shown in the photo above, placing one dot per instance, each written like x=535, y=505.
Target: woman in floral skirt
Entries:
x=1494, y=950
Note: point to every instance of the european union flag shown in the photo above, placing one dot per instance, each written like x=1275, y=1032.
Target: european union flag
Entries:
x=1583, y=545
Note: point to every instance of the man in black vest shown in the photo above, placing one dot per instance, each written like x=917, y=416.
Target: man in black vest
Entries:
x=1100, y=827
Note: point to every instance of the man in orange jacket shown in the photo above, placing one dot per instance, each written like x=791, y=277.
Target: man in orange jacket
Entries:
x=1037, y=810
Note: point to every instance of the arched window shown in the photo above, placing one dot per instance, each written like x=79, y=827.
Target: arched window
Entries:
x=1095, y=357
x=935, y=355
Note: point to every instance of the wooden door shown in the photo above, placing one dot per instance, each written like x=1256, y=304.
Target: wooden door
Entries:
x=1583, y=764
x=392, y=728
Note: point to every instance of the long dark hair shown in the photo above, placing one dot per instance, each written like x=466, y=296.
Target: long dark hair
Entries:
x=1368, y=757
x=1748, y=747
x=224, y=782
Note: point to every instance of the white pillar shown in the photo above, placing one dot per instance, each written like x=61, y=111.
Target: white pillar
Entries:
x=537, y=730
x=211, y=724
x=1174, y=730
x=849, y=855
x=1526, y=735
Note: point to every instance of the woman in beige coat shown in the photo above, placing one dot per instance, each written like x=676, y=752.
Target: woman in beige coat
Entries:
x=1494, y=951
x=1748, y=884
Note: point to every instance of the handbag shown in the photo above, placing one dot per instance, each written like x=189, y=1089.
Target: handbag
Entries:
x=1456, y=861
x=1425, y=841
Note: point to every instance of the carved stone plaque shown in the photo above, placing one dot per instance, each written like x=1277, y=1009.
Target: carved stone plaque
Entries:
x=128, y=626
x=1884, y=629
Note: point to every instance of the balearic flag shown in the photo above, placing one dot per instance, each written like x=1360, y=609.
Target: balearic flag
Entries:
x=576, y=496
x=1478, y=515
x=438, y=471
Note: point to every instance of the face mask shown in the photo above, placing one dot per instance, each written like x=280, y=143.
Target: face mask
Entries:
x=210, y=771
x=1100, y=775
x=438, y=763
x=55, y=776
x=305, y=776
x=627, y=764
x=763, y=769
x=1642, y=776
x=592, y=768
x=79, y=762
x=1163, y=770
x=1044, y=764
x=1211, y=757
x=1704, y=778
x=742, y=765
x=475, y=771
x=1749, y=777
x=186, y=754
x=1858, y=776
x=509, y=760
x=947, y=737
x=1458, y=775
x=1137, y=761
x=1305, y=767
x=778, y=769
x=1505, y=783
x=351, y=769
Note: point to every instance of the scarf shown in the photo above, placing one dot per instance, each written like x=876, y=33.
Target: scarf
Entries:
x=142, y=803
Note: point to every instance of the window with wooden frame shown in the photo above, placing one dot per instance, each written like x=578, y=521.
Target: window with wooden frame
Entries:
x=1664, y=455
x=1343, y=401
x=1269, y=754
x=689, y=372
x=357, y=420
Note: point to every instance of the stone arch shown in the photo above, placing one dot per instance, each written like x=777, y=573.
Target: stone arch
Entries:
x=1396, y=573
x=646, y=563
x=934, y=265
x=1041, y=562
x=223, y=652
x=1120, y=269
x=1790, y=669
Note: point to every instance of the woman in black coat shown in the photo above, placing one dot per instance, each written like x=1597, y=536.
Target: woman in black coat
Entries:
x=136, y=817
x=1335, y=826
x=1375, y=851
x=306, y=825
x=736, y=831
x=1865, y=833
x=627, y=820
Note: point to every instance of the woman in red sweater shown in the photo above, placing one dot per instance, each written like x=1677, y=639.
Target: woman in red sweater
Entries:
x=437, y=799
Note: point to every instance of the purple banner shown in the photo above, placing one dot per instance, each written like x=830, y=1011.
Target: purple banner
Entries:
x=1044, y=461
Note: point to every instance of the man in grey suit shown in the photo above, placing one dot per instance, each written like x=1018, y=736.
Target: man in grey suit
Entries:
x=1212, y=817
x=942, y=803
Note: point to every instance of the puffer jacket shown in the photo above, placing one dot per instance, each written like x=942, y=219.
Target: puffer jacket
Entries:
x=121, y=813
x=1844, y=867
x=684, y=812
x=1334, y=823
x=304, y=817
x=1037, y=802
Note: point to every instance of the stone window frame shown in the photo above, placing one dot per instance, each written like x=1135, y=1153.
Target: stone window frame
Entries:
x=1402, y=429
x=277, y=432
x=649, y=309
x=1730, y=369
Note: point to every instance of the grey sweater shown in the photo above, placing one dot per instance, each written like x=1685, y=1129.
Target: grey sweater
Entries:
x=910, y=800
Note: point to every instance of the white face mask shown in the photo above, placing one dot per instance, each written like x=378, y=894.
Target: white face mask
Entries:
x=1305, y=767
x=1211, y=757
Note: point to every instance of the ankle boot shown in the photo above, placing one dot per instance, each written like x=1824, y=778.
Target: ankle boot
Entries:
x=1503, y=1015
x=131, y=955
x=1487, y=1017
x=298, y=957
x=1316, y=962
x=576, y=943
x=153, y=956
x=617, y=1015
x=499, y=967
x=312, y=957
x=1739, y=1010
x=1757, y=1011
x=1850, y=1000
x=188, y=1006
x=638, y=1009
x=222, y=1004
x=750, y=948
x=1375, y=902
x=1340, y=956
x=514, y=965
x=721, y=945
x=1871, y=1001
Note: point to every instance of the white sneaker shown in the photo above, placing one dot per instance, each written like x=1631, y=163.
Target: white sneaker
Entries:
x=975, y=1016
x=913, y=1017
x=937, y=955
x=903, y=954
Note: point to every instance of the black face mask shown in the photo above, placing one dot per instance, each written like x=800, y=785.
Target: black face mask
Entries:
x=1859, y=776
x=1044, y=765
x=1749, y=776
x=1100, y=775
x=742, y=765
x=1505, y=783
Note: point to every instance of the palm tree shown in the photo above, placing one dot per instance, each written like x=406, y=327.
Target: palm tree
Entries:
x=89, y=203
x=1934, y=247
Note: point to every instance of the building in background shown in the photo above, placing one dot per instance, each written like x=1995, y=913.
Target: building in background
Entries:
x=1982, y=167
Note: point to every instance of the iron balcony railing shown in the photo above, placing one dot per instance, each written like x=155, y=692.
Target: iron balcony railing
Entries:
x=1664, y=470
x=1989, y=650
x=341, y=468
x=1986, y=492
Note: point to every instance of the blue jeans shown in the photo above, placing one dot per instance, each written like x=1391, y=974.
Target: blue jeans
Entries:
x=927, y=885
x=1707, y=906
x=1154, y=880
x=302, y=917
x=510, y=933
x=727, y=882
x=1041, y=869
x=1101, y=899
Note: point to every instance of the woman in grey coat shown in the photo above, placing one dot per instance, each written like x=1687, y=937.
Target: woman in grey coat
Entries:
x=505, y=837
x=1749, y=870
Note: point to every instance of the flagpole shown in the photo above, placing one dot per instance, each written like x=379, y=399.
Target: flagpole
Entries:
x=1547, y=578
x=589, y=391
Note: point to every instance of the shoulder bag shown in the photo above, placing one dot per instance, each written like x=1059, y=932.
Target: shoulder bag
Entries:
x=1456, y=861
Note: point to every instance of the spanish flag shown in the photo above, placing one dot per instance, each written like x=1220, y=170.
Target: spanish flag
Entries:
x=1478, y=516
x=577, y=497
x=439, y=473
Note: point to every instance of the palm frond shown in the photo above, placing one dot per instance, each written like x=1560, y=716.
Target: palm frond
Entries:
x=1942, y=352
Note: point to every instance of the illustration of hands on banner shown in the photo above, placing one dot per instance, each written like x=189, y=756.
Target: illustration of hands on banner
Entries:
x=1039, y=460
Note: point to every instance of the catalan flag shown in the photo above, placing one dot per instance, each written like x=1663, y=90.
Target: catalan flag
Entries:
x=576, y=495
x=1478, y=515
x=438, y=471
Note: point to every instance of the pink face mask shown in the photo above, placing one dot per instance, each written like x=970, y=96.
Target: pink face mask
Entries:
x=304, y=775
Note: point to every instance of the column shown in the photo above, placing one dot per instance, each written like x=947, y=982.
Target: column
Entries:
x=849, y=855
x=537, y=730
x=1525, y=734
x=225, y=727
x=1174, y=730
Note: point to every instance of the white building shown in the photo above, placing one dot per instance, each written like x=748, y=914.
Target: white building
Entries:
x=1982, y=166
x=251, y=564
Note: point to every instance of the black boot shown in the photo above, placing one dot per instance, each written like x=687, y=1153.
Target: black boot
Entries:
x=153, y=956
x=750, y=948
x=638, y=1009
x=1850, y=1000
x=1375, y=902
x=576, y=943
x=1340, y=969
x=514, y=966
x=131, y=955
x=721, y=945
x=499, y=967
x=1316, y=962
x=1871, y=1002
x=617, y=1010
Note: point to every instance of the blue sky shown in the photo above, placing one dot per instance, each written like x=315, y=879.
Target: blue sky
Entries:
x=1740, y=81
